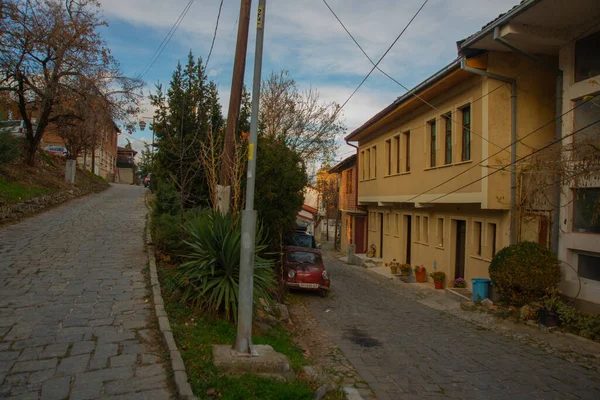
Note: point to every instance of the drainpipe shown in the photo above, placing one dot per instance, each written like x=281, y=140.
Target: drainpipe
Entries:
x=513, y=139
x=557, y=132
x=356, y=177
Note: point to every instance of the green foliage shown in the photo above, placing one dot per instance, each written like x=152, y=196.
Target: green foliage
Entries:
x=438, y=276
x=280, y=179
x=167, y=233
x=10, y=147
x=580, y=324
x=210, y=276
x=15, y=192
x=525, y=272
x=167, y=199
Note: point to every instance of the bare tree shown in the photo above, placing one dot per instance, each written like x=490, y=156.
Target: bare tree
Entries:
x=300, y=119
x=47, y=43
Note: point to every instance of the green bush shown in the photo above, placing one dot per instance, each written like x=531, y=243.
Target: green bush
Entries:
x=167, y=199
x=166, y=233
x=580, y=324
x=525, y=272
x=210, y=276
x=10, y=147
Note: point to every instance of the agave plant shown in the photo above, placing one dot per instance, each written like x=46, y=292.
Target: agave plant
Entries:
x=209, y=278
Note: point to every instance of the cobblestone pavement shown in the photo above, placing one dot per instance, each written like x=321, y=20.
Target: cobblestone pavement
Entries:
x=406, y=350
x=74, y=319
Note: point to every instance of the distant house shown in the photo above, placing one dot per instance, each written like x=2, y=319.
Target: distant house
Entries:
x=125, y=165
x=353, y=217
x=307, y=217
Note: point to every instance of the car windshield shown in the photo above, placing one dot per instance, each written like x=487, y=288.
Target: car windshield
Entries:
x=302, y=240
x=304, y=257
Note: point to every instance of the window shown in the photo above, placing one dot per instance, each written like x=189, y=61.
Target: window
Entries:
x=388, y=156
x=587, y=57
x=406, y=151
x=368, y=161
x=586, y=113
x=417, y=228
x=588, y=266
x=440, y=232
x=425, y=229
x=466, y=133
x=386, y=226
x=397, y=150
x=492, y=239
x=362, y=166
x=448, y=137
x=374, y=158
x=477, y=236
x=586, y=210
x=433, y=144
x=349, y=181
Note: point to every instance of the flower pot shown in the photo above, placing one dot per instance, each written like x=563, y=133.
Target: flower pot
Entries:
x=439, y=285
x=548, y=318
x=420, y=277
x=394, y=270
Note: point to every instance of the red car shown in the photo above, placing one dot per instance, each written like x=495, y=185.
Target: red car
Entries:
x=303, y=269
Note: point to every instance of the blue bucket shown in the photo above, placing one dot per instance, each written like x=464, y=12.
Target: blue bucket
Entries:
x=480, y=288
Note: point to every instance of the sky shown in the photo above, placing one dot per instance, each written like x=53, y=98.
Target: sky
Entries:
x=303, y=37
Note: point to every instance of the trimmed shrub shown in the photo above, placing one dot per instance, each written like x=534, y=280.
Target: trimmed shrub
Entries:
x=209, y=279
x=525, y=272
x=10, y=147
x=166, y=233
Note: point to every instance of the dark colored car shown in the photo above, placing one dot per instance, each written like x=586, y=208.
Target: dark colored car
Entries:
x=300, y=239
x=303, y=269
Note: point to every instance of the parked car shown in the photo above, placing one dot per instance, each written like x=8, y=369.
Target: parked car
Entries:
x=300, y=239
x=147, y=180
x=303, y=269
x=56, y=150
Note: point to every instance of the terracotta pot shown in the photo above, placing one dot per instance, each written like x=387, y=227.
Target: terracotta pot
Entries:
x=439, y=285
x=420, y=276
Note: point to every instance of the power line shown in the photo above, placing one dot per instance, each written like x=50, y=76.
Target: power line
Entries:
x=520, y=159
x=214, y=35
x=495, y=154
x=412, y=92
x=165, y=41
x=382, y=57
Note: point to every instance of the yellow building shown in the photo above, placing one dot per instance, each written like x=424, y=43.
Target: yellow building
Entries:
x=570, y=33
x=434, y=166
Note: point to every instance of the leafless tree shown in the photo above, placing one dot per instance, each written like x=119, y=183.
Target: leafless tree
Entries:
x=45, y=45
x=300, y=119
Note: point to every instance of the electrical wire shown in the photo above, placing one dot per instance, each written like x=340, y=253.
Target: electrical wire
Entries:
x=383, y=56
x=518, y=160
x=165, y=41
x=214, y=36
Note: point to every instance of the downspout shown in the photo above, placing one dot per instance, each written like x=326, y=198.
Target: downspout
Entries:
x=557, y=131
x=356, y=191
x=513, y=139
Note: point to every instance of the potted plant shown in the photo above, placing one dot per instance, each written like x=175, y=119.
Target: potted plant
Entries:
x=420, y=272
x=394, y=266
x=548, y=314
x=371, y=251
x=459, y=283
x=438, y=279
x=405, y=269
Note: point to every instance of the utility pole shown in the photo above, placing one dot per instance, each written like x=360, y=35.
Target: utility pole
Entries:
x=235, y=100
x=243, y=340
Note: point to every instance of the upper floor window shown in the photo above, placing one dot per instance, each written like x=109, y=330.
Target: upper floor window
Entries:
x=587, y=57
x=388, y=157
x=432, y=142
x=586, y=210
x=374, y=160
x=466, y=133
x=349, y=181
x=448, y=137
x=406, y=137
x=397, y=152
x=585, y=117
x=362, y=166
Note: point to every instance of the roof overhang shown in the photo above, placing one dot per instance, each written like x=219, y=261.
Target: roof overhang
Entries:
x=344, y=165
x=535, y=26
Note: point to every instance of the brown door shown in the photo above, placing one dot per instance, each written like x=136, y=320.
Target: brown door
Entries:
x=380, y=235
x=459, y=268
x=359, y=234
x=407, y=235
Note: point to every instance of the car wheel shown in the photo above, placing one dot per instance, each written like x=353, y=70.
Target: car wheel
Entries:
x=324, y=293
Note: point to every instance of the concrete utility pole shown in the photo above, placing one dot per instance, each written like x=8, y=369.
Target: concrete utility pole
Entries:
x=235, y=100
x=243, y=340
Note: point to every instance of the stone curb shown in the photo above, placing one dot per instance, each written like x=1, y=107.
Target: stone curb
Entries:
x=184, y=390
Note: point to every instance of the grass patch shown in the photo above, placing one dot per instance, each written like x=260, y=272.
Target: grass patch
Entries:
x=195, y=334
x=15, y=192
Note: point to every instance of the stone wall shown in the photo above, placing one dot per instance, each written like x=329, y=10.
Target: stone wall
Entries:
x=11, y=212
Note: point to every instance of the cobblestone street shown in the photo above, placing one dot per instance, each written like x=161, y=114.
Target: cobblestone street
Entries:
x=74, y=318
x=406, y=350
